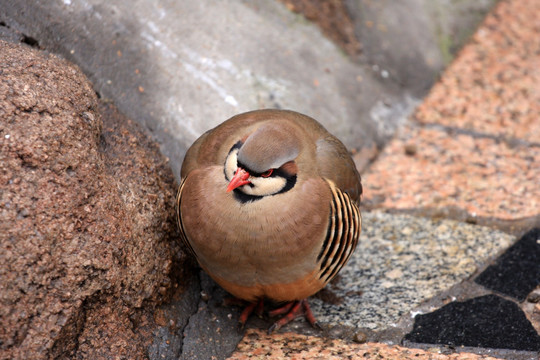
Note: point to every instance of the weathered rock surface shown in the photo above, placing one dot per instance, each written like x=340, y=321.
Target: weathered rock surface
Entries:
x=86, y=217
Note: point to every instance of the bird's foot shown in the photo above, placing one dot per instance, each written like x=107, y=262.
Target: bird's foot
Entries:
x=257, y=307
x=292, y=310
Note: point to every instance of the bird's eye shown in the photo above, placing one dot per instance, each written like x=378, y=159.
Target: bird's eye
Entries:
x=267, y=173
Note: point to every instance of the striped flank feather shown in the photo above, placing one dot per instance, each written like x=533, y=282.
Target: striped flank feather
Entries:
x=344, y=227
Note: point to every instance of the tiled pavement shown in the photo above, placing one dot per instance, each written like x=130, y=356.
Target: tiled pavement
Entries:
x=434, y=288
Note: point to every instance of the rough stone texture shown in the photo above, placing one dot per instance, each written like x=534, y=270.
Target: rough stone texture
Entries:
x=402, y=261
x=107, y=332
x=531, y=307
x=334, y=20
x=172, y=317
x=86, y=214
x=258, y=345
x=212, y=332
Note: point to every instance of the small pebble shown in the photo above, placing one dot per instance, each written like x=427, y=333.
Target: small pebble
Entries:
x=534, y=298
x=360, y=337
x=410, y=149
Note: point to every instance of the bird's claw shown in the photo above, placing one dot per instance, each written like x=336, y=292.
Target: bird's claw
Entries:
x=240, y=327
x=275, y=327
x=293, y=310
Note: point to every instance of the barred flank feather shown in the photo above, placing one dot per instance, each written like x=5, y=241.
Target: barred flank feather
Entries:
x=344, y=228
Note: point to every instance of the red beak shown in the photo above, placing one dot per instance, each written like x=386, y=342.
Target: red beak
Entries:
x=240, y=178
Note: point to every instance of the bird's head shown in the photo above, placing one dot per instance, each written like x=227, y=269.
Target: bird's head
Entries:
x=263, y=163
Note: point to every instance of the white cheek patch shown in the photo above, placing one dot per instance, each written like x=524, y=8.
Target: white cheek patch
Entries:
x=231, y=164
x=259, y=186
x=264, y=186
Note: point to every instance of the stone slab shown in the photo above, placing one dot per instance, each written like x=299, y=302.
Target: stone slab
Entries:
x=412, y=41
x=437, y=168
x=472, y=145
x=212, y=331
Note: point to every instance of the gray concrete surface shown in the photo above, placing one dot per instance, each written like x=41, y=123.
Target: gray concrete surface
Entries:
x=410, y=42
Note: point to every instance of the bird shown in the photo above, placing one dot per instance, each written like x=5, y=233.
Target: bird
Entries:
x=268, y=204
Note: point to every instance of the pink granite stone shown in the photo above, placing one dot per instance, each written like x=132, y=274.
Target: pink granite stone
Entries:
x=258, y=344
x=431, y=168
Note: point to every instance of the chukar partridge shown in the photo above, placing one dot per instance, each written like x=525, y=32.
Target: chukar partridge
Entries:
x=268, y=204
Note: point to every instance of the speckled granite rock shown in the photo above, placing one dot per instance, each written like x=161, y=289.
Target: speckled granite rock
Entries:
x=258, y=345
x=402, y=261
x=437, y=168
x=86, y=211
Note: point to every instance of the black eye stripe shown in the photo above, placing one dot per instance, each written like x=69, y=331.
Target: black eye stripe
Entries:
x=238, y=145
x=291, y=181
x=275, y=173
x=245, y=198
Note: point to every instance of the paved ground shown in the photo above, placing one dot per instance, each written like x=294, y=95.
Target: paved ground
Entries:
x=470, y=152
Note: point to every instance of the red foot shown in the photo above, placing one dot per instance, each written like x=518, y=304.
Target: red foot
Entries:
x=258, y=307
x=290, y=310
x=282, y=310
x=293, y=310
